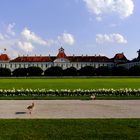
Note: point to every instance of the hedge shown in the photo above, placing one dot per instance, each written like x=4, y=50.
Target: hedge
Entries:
x=68, y=92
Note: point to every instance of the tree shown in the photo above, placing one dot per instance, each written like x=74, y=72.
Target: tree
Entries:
x=34, y=71
x=134, y=71
x=87, y=71
x=119, y=71
x=70, y=72
x=20, y=72
x=54, y=71
x=5, y=72
x=103, y=71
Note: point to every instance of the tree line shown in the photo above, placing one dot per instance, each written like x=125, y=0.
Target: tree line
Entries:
x=84, y=71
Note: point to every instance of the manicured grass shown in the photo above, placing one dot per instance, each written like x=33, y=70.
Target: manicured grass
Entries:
x=70, y=129
x=44, y=98
x=118, y=98
x=73, y=83
x=69, y=98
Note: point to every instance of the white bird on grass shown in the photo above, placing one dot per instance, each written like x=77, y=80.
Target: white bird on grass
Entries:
x=93, y=97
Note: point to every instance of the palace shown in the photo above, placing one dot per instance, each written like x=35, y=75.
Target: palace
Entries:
x=65, y=61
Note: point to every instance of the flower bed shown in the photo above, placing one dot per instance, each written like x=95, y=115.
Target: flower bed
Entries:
x=68, y=92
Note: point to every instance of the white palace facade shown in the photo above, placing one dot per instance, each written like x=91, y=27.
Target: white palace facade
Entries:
x=62, y=60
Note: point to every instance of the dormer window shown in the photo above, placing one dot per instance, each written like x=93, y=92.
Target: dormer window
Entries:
x=61, y=60
x=61, y=50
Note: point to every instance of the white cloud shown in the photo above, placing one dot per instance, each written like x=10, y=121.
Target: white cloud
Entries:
x=26, y=46
x=124, y=8
x=27, y=41
x=31, y=36
x=1, y=37
x=110, y=38
x=10, y=29
x=66, y=38
x=99, y=18
x=11, y=48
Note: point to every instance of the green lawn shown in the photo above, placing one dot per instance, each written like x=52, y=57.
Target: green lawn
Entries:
x=68, y=129
x=69, y=98
x=49, y=98
x=73, y=83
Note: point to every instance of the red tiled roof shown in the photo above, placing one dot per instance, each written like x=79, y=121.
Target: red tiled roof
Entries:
x=61, y=55
x=120, y=56
x=4, y=57
x=88, y=59
x=71, y=58
x=32, y=59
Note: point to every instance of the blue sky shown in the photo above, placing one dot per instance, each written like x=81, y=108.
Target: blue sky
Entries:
x=82, y=27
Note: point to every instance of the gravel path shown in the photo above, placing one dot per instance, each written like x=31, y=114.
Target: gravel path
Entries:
x=70, y=109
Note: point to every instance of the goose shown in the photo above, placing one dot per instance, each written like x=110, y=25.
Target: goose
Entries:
x=31, y=107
